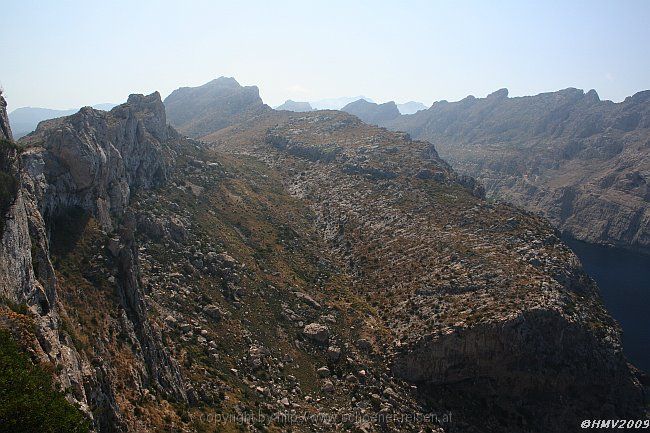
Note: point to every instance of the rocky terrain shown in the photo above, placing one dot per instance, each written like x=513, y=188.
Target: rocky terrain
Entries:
x=197, y=111
x=469, y=296
x=292, y=271
x=581, y=162
x=290, y=105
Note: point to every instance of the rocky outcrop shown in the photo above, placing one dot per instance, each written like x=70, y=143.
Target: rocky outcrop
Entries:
x=539, y=356
x=94, y=158
x=372, y=113
x=581, y=162
x=89, y=162
x=199, y=111
x=26, y=119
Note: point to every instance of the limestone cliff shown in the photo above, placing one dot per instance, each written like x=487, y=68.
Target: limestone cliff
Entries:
x=71, y=170
x=93, y=158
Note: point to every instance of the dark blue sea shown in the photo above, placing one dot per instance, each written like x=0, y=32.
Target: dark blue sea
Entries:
x=624, y=281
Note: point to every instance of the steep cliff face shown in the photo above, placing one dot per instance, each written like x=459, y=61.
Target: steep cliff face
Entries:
x=581, y=162
x=71, y=171
x=199, y=111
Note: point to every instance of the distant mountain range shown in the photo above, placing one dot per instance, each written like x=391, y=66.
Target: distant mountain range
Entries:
x=298, y=107
x=410, y=107
x=336, y=103
x=24, y=120
x=377, y=114
x=581, y=162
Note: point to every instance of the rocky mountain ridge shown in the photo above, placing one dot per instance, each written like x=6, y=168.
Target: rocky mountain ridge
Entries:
x=376, y=199
x=581, y=162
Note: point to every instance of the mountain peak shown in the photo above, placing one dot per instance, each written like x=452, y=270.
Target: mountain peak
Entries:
x=138, y=98
x=199, y=111
x=223, y=81
x=498, y=94
x=593, y=95
x=372, y=113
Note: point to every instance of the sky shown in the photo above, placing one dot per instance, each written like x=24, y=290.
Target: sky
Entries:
x=66, y=54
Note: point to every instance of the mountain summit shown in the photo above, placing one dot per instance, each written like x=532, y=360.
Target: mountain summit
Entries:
x=198, y=111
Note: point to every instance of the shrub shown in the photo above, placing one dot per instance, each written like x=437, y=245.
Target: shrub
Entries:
x=28, y=400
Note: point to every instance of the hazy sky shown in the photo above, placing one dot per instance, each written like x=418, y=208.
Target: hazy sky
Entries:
x=63, y=54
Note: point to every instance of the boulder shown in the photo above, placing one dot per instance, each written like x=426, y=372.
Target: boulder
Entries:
x=317, y=332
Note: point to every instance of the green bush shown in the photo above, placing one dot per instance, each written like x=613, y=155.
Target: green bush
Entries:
x=28, y=400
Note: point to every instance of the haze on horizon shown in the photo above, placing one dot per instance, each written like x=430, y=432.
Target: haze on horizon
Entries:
x=68, y=54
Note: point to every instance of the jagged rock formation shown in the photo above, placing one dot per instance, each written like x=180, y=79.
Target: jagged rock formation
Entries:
x=198, y=111
x=411, y=107
x=93, y=158
x=296, y=106
x=372, y=113
x=581, y=162
x=26, y=119
x=73, y=171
